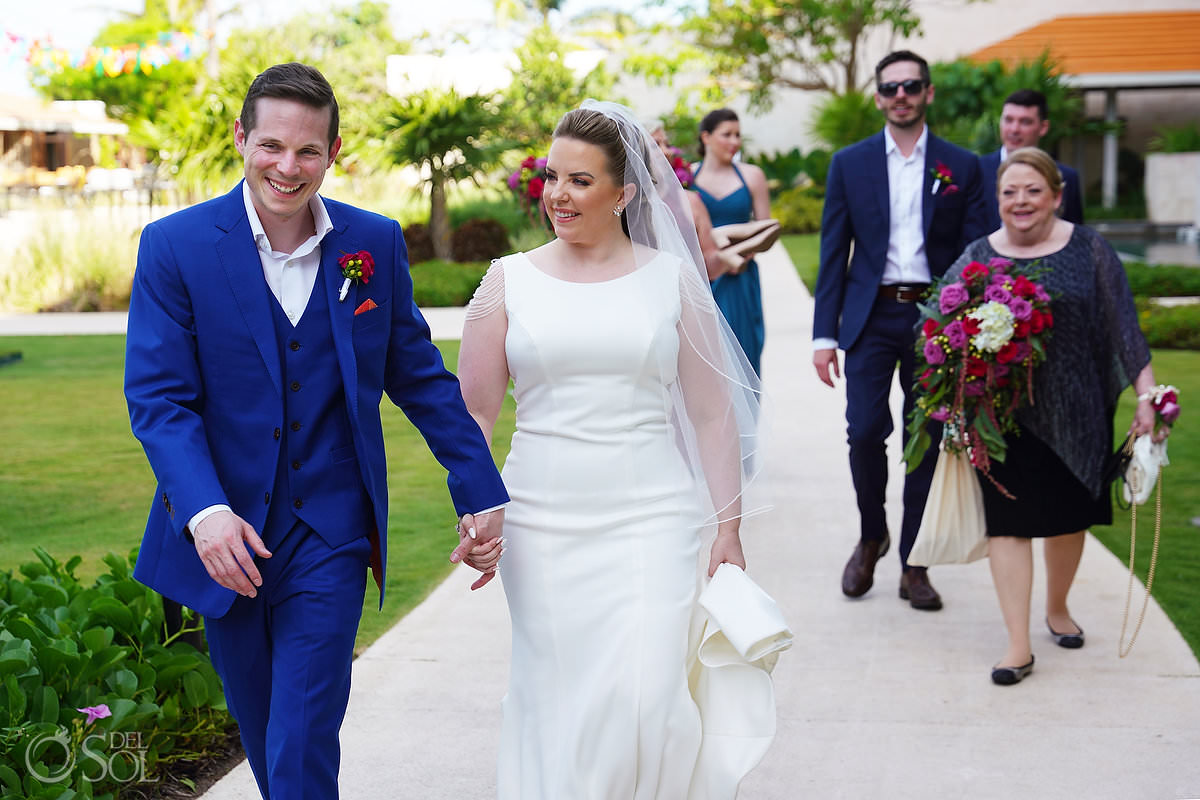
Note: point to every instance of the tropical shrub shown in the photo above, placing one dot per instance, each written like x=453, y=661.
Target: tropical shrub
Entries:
x=1177, y=139
x=439, y=283
x=798, y=210
x=479, y=240
x=420, y=243
x=1162, y=281
x=95, y=697
x=1170, y=327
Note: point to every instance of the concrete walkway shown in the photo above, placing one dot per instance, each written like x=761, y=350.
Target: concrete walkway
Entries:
x=875, y=700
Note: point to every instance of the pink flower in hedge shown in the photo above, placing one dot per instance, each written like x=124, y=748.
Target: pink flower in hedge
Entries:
x=1020, y=308
x=952, y=296
x=95, y=712
x=934, y=354
x=955, y=335
x=997, y=293
x=540, y=163
x=514, y=181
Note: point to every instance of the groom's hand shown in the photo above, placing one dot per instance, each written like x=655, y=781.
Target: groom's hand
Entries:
x=825, y=361
x=221, y=540
x=480, y=545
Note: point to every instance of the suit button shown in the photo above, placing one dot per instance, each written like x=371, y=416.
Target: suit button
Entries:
x=266, y=498
x=295, y=426
x=295, y=386
x=276, y=434
x=294, y=345
x=295, y=465
x=298, y=503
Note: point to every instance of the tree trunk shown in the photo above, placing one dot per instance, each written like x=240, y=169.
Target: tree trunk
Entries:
x=439, y=218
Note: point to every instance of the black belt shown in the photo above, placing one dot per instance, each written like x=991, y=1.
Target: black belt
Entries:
x=903, y=292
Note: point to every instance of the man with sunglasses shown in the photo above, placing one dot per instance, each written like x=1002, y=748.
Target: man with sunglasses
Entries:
x=1024, y=120
x=899, y=208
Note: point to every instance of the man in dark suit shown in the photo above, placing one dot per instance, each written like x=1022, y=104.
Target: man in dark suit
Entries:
x=260, y=343
x=899, y=208
x=1024, y=120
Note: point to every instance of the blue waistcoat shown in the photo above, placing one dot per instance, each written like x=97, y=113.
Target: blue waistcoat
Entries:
x=317, y=479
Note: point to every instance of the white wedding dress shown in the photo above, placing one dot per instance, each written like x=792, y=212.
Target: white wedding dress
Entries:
x=603, y=534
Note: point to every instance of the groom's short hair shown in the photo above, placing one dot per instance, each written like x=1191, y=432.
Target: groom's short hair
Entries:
x=291, y=81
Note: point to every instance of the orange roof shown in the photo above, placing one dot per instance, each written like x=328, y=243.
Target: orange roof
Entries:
x=1156, y=41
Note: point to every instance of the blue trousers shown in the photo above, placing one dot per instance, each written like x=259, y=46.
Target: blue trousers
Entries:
x=884, y=347
x=284, y=657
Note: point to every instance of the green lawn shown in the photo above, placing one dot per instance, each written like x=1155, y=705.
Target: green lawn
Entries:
x=74, y=480
x=805, y=251
x=1177, y=581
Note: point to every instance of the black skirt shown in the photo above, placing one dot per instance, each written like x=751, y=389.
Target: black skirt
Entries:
x=1049, y=499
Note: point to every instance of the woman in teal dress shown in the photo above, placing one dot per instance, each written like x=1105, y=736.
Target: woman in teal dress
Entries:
x=733, y=193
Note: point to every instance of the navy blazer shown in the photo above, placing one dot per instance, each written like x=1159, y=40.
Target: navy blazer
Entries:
x=857, y=211
x=204, y=387
x=1072, y=199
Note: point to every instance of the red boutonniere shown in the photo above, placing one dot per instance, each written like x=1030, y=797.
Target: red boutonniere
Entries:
x=942, y=176
x=356, y=267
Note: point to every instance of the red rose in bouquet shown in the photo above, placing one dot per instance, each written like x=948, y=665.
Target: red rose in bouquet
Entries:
x=984, y=333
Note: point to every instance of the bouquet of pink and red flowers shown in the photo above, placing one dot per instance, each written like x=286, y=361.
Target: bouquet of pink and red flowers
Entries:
x=984, y=333
x=527, y=184
x=683, y=171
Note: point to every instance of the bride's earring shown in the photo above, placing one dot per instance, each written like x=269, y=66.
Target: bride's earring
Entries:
x=617, y=211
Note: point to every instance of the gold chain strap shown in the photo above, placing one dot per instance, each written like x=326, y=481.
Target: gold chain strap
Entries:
x=1123, y=649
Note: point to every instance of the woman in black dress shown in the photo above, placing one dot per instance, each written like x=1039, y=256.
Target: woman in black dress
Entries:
x=1054, y=466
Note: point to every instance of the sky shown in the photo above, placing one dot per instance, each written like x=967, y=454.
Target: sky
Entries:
x=72, y=24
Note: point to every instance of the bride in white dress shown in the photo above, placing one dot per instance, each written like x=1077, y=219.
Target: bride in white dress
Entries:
x=635, y=415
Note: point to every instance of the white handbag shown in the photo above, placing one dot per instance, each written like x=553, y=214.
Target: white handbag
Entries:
x=1144, y=464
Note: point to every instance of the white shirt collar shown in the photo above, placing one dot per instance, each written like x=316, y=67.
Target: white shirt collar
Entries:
x=890, y=146
x=316, y=205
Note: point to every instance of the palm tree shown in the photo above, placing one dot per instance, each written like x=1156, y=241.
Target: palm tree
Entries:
x=448, y=137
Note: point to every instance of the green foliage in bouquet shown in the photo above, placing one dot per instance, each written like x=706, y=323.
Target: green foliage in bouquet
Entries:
x=984, y=332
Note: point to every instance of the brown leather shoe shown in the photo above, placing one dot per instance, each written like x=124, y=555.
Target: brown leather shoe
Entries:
x=916, y=589
x=860, y=569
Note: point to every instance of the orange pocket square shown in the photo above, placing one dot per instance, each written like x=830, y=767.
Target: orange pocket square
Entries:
x=366, y=305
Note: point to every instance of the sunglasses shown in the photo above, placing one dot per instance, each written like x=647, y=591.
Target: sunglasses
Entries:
x=911, y=87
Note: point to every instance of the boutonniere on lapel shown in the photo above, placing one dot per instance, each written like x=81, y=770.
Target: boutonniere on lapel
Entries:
x=355, y=267
x=942, y=176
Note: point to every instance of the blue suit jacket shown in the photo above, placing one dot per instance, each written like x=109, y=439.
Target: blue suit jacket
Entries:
x=857, y=211
x=204, y=388
x=1072, y=200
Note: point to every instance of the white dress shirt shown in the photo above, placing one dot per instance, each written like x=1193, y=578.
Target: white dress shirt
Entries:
x=290, y=277
x=906, y=261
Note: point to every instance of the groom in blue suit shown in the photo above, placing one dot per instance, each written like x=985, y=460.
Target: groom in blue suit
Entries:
x=254, y=373
x=899, y=208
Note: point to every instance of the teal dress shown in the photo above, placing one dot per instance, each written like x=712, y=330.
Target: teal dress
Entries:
x=738, y=296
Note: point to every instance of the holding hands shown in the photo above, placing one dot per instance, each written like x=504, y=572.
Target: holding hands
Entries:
x=479, y=544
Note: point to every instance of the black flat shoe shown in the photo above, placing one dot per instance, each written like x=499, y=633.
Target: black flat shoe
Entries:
x=1071, y=641
x=1007, y=676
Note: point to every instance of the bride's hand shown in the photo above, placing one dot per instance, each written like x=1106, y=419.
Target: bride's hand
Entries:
x=726, y=549
x=480, y=544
